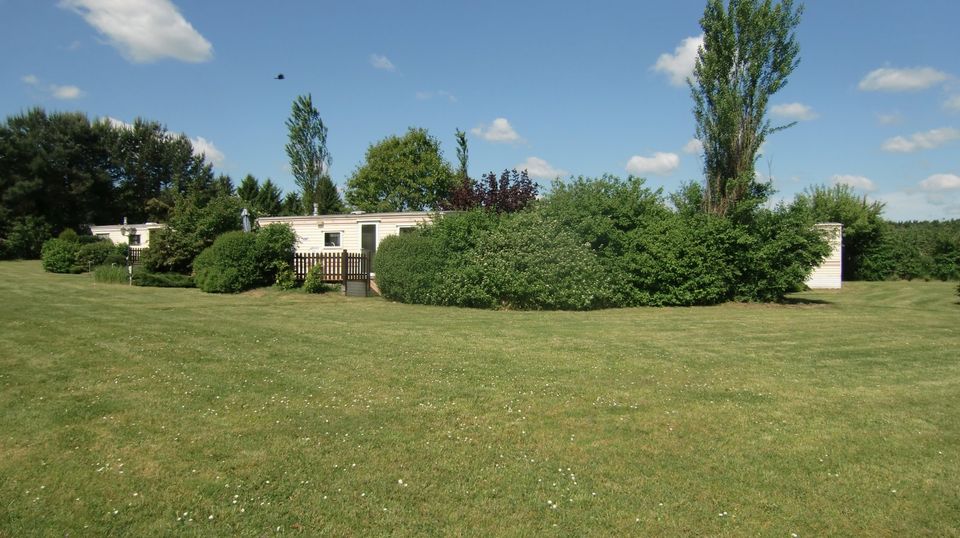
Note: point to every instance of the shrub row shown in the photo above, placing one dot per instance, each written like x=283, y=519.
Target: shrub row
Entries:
x=602, y=242
x=69, y=254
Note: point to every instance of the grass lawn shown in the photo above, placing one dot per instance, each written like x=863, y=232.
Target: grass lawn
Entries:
x=139, y=412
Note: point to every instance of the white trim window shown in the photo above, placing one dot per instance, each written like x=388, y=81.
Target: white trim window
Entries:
x=331, y=239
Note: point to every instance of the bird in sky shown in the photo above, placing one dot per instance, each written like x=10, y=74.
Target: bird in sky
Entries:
x=279, y=77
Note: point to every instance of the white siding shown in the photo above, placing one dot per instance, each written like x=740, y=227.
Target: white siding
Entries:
x=112, y=231
x=310, y=230
x=827, y=275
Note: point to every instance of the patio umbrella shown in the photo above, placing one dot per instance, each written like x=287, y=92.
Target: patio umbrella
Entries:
x=245, y=215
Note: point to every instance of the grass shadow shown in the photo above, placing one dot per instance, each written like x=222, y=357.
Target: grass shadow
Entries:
x=803, y=301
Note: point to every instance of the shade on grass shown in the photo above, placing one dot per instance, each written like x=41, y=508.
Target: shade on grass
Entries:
x=141, y=411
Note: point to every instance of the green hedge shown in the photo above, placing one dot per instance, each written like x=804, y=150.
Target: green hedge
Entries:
x=529, y=262
x=603, y=242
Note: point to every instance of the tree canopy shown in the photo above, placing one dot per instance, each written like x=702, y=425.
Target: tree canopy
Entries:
x=864, y=230
x=60, y=170
x=402, y=173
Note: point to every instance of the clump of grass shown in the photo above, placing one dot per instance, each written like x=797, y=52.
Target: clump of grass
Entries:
x=110, y=274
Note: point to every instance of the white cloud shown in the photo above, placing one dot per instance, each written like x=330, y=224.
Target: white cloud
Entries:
x=859, y=182
x=679, y=65
x=941, y=182
x=66, y=92
x=916, y=205
x=53, y=90
x=890, y=119
x=439, y=94
x=144, y=30
x=379, y=61
x=887, y=79
x=541, y=169
x=498, y=131
x=118, y=124
x=659, y=164
x=693, y=146
x=794, y=111
x=952, y=103
x=202, y=146
x=917, y=141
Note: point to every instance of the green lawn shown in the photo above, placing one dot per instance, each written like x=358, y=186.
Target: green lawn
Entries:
x=138, y=412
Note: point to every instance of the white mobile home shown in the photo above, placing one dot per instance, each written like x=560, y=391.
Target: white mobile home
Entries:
x=135, y=235
x=828, y=275
x=353, y=232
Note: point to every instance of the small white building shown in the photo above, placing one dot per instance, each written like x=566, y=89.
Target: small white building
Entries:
x=828, y=275
x=353, y=232
x=135, y=235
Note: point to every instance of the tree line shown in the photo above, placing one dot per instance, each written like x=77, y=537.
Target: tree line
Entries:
x=61, y=171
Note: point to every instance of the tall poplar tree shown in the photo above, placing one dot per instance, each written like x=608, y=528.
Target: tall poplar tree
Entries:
x=309, y=158
x=749, y=50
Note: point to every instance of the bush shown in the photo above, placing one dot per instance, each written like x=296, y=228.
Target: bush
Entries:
x=96, y=253
x=239, y=261
x=408, y=268
x=285, y=278
x=780, y=249
x=142, y=277
x=274, y=250
x=115, y=258
x=110, y=274
x=229, y=265
x=192, y=227
x=69, y=234
x=529, y=262
x=603, y=242
x=680, y=260
x=60, y=256
x=864, y=230
x=314, y=282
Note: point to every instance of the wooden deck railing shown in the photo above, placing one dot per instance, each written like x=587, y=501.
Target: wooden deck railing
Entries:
x=337, y=266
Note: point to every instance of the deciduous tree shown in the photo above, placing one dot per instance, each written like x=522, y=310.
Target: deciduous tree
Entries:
x=309, y=158
x=749, y=50
x=402, y=173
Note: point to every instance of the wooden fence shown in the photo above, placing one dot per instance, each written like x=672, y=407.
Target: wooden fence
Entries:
x=136, y=255
x=337, y=266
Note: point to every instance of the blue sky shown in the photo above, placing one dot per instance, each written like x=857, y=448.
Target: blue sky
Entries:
x=568, y=88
